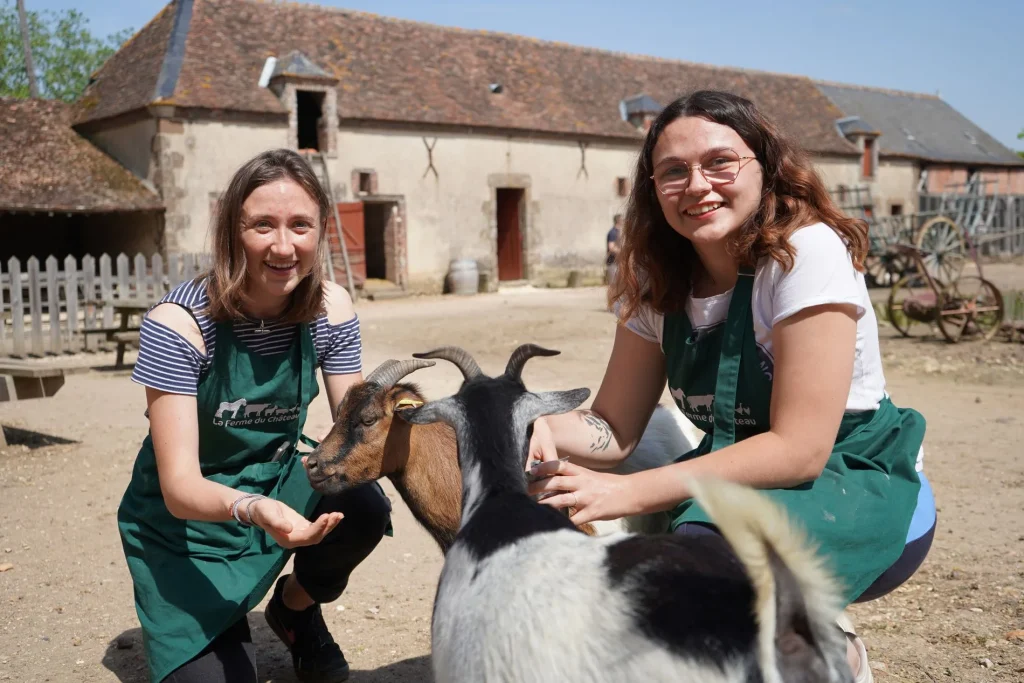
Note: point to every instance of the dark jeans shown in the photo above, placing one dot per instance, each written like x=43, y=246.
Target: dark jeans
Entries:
x=322, y=570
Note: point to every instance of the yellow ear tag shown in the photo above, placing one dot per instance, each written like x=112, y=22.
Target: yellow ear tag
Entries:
x=408, y=403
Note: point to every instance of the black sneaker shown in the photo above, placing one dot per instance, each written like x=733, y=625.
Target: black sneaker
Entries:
x=315, y=656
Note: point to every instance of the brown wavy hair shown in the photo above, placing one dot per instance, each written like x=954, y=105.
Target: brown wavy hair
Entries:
x=227, y=275
x=657, y=264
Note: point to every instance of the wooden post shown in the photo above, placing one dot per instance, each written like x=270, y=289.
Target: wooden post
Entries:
x=123, y=286
x=35, y=305
x=71, y=294
x=89, y=285
x=139, y=266
x=17, y=308
x=3, y=336
x=53, y=302
x=158, y=276
x=106, y=290
x=173, y=271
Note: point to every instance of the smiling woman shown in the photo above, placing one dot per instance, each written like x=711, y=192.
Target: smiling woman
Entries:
x=741, y=285
x=219, y=498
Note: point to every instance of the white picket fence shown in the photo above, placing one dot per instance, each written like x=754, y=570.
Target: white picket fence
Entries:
x=46, y=308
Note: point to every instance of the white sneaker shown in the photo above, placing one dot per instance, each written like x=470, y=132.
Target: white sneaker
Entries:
x=865, y=675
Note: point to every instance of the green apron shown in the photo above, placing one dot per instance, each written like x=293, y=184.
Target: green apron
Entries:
x=859, y=509
x=194, y=579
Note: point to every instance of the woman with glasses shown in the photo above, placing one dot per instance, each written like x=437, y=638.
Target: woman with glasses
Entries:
x=740, y=283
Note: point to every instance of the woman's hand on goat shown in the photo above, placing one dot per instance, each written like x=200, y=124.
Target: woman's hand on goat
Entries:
x=542, y=444
x=594, y=495
x=287, y=527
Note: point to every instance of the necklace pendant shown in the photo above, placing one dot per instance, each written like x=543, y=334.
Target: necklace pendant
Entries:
x=262, y=329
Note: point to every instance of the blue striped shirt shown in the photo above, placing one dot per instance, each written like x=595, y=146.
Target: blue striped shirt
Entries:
x=168, y=362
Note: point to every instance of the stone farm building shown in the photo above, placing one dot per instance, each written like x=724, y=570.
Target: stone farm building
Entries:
x=445, y=144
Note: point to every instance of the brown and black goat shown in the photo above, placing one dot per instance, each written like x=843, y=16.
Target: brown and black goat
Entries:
x=367, y=444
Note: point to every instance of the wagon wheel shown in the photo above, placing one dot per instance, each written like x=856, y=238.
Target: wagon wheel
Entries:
x=887, y=267
x=911, y=301
x=945, y=250
x=970, y=306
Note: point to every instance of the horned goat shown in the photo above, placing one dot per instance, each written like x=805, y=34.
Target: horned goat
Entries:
x=366, y=443
x=523, y=596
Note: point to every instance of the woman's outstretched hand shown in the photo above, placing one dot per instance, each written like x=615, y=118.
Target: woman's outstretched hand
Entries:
x=594, y=495
x=287, y=527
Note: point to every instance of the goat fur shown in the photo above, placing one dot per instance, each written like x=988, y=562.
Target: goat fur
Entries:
x=523, y=596
x=422, y=464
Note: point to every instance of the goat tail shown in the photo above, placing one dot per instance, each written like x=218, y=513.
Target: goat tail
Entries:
x=777, y=554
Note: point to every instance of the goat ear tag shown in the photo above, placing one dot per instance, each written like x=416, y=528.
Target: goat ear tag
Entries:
x=408, y=403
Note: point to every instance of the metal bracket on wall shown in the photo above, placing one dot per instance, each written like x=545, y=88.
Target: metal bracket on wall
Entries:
x=430, y=158
x=583, y=161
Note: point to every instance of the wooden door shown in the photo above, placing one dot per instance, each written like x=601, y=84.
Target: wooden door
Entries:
x=510, y=239
x=353, y=227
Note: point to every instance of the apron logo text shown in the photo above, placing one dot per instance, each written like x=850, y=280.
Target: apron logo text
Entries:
x=701, y=409
x=241, y=413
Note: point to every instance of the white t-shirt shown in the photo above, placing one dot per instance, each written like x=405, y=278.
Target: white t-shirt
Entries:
x=822, y=273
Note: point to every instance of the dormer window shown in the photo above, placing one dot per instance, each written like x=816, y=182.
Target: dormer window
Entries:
x=639, y=110
x=309, y=115
x=308, y=93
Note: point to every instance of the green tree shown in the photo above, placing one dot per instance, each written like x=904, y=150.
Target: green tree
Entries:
x=65, y=53
x=1020, y=136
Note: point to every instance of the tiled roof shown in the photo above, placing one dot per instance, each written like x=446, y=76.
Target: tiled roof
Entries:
x=920, y=126
x=128, y=80
x=47, y=166
x=410, y=72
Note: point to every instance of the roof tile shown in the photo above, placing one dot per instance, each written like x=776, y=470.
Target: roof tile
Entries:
x=47, y=166
x=403, y=71
x=920, y=126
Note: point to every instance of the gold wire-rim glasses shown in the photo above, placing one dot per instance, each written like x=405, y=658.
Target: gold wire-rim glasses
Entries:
x=738, y=160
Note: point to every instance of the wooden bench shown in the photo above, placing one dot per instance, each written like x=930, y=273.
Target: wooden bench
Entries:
x=21, y=380
x=108, y=332
x=123, y=338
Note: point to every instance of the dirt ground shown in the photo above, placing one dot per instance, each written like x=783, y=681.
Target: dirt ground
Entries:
x=66, y=611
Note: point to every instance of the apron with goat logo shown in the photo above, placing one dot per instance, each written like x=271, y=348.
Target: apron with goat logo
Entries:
x=859, y=509
x=194, y=579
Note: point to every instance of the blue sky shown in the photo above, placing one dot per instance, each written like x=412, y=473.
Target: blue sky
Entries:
x=968, y=53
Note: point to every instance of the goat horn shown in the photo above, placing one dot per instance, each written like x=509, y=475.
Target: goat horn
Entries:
x=460, y=357
x=514, y=369
x=390, y=371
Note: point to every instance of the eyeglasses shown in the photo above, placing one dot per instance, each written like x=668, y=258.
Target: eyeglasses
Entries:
x=718, y=168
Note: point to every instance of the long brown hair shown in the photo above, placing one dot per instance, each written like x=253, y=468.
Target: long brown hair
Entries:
x=657, y=264
x=228, y=273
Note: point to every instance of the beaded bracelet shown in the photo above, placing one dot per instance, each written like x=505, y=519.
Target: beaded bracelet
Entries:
x=234, y=507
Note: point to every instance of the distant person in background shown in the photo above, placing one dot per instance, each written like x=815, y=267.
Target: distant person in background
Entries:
x=611, y=264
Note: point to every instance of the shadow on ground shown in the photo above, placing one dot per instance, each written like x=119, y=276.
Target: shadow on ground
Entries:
x=126, y=659
x=33, y=440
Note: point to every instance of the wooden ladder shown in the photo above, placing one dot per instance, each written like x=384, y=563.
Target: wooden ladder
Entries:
x=319, y=165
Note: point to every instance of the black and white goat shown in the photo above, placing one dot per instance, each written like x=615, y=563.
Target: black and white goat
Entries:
x=524, y=596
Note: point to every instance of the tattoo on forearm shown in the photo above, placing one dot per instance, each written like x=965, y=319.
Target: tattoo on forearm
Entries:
x=603, y=436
